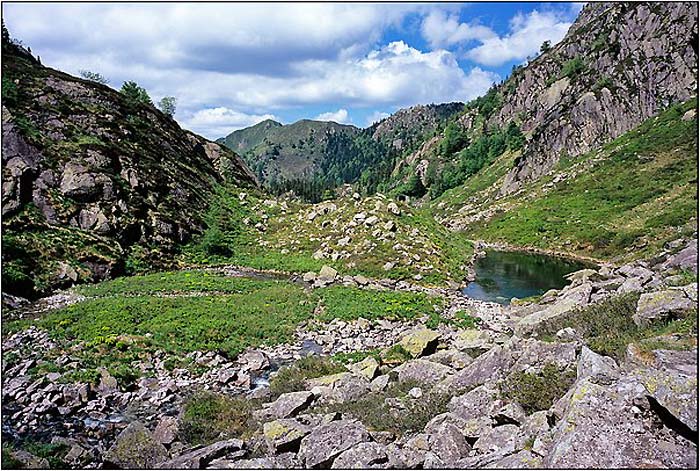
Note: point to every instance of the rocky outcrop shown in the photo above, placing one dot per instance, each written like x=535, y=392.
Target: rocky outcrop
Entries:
x=82, y=166
x=619, y=64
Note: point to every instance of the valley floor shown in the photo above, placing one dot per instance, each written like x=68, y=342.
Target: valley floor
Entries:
x=229, y=367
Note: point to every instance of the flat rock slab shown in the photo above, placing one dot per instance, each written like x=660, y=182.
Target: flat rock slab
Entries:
x=325, y=443
x=661, y=305
x=199, y=458
x=287, y=405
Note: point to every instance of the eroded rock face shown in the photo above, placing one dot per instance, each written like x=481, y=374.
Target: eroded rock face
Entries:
x=88, y=160
x=572, y=115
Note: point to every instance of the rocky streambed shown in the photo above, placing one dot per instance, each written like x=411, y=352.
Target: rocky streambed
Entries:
x=510, y=392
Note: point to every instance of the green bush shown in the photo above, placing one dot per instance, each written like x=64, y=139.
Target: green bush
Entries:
x=293, y=378
x=537, y=391
x=573, y=67
x=208, y=417
x=135, y=94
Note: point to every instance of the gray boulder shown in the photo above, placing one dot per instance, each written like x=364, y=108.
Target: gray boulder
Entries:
x=490, y=366
x=601, y=427
x=424, y=372
x=284, y=434
x=448, y=444
x=502, y=439
x=325, y=443
x=367, y=455
x=287, y=405
x=661, y=305
x=199, y=458
x=135, y=448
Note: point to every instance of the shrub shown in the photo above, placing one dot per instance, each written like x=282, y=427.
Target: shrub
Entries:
x=573, y=67
x=94, y=77
x=209, y=417
x=167, y=105
x=377, y=410
x=538, y=391
x=293, y=378
x=135, y=94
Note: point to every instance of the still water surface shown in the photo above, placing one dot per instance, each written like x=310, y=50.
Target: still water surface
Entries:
x=501, y=276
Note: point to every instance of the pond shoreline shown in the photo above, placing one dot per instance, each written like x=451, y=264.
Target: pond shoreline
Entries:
x=504, y=247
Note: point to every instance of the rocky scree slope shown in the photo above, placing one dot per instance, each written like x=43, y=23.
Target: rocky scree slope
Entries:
x=89, y=176
x=619, y=202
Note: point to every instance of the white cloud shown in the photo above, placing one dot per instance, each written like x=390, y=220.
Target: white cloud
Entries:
x=231, y=65
x=375, y=117
x=527, y=33
x=218, y=122
x=340, y=116
x=441, y=30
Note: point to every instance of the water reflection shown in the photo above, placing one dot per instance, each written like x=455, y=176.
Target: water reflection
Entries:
x=501, y=276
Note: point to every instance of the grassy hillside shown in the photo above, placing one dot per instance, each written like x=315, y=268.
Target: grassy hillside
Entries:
x=623, y=200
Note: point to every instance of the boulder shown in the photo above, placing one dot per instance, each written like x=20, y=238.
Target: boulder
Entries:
x=685, y=259
x=287, y=405
x=423, y=372
x=600, y=427
x=490, y=366
x=661, y=305
x=568, y=301
x=325, y=443
x=135, y=448
x=451, y=357
x=371, y=221
x=502, y=440
x=29, y=461
x=367, y=368
x=199, y=458
x=367, y=455
x=393, y=208
x=597, y=368
x=474, y=404
x=166, y=430
x=108, y=383
x=448, y=444
x=523, y=459
x=282, y=461
x=420, y=342
x=581, y=276
x=326, y=276
x=284, y=434
x=672, y=382
x=473, y=339
x=309, y=277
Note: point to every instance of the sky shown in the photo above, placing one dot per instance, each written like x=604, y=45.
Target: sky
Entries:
x=233, y=65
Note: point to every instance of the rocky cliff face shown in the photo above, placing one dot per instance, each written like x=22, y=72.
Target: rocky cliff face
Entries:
x=83, y=167
x=409, y=126
x=619, y=64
